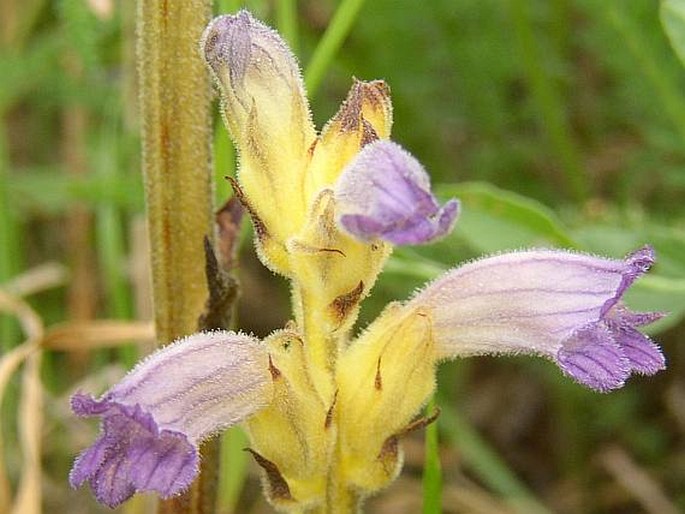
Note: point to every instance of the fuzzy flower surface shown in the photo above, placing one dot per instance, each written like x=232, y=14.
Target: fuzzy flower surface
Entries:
x=325, y=408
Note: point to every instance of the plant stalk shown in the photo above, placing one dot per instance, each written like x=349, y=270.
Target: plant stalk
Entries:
x=175, y=95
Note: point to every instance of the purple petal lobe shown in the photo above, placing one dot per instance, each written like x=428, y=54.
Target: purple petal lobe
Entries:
x=132, y=455
x=384, y=193
x=561, y=305
x=635, y=265
x=154, y=419
x=592, y=357
x=643, y=355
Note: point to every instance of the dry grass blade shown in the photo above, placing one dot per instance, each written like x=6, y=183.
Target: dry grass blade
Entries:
x=30, y=322
x=33, y=327
x=636, y=481
x=42, y=277
x=8, y=364
x=90, y=335
x=28, y=499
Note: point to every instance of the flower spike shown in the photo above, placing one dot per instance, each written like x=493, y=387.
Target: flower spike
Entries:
x=325, y=409
x=155, y=418
x=384, y=193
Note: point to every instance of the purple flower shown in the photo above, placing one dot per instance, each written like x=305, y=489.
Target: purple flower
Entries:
x=155, y=418
x=561, y=305
x=385, y=193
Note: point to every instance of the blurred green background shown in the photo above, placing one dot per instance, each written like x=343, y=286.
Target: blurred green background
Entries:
x=556, y=122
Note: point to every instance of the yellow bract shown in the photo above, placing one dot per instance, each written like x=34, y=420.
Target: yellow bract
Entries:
x=384, y=378
x=292, y=432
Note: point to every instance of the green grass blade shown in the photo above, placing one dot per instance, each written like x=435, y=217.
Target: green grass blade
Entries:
x=224, y=163
x=10, y=249
x=233, y=469
x=487, y=465
x=110, y=237
x=673, y=20
x=286, y=22
x=647, y=59
x=549, y=101
x=330, y=43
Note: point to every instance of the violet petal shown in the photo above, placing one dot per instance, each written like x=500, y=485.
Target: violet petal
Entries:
x=385, y=193
x=155, y=418
x=643, y=356
x=132, y=455
x=593, y=358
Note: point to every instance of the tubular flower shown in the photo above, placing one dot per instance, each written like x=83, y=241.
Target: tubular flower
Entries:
x=325, y=409
x=155, y=418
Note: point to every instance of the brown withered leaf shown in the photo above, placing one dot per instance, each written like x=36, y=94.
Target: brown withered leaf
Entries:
x=228, y=220
x=223, y=291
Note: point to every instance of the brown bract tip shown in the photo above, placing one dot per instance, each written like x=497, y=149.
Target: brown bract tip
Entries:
x=278, y=488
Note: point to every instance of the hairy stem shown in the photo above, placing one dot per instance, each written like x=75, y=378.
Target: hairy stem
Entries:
x=176, y=128
x=175, y=95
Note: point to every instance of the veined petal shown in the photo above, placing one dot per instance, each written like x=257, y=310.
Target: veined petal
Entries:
x=155, y=418
x=562, y=305
x=384, y=193
x=132, y=454
x=642, y=355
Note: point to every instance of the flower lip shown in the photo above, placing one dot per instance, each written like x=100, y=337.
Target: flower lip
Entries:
x=132, y=454
x=593, y=358
x=637, y=264
x=384, y=193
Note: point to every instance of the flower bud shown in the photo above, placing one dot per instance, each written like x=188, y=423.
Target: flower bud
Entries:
x=266, y=110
